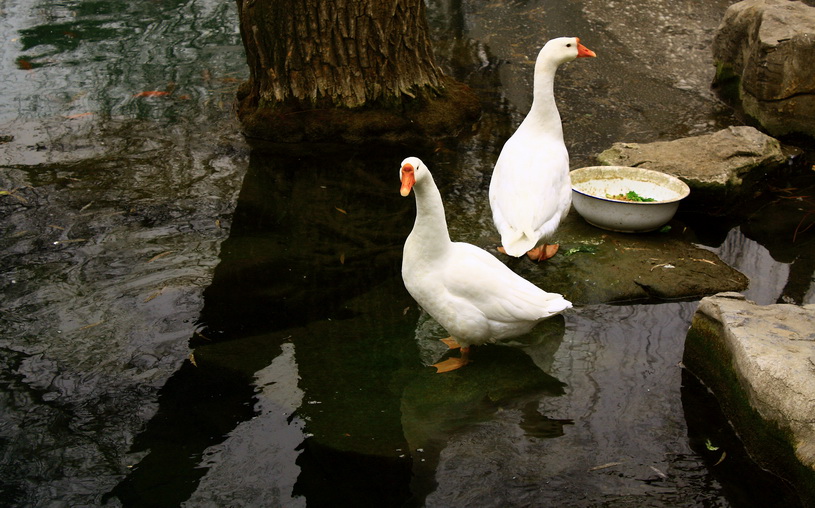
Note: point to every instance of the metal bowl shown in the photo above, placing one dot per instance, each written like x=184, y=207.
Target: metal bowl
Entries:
x=592, y=186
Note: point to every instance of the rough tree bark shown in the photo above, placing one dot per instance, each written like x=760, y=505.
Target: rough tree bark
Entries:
x=345, y=70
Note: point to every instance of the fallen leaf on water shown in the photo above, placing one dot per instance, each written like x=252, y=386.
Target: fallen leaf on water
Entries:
x=200, y=334
x=13, y=193
x=724, y=454
x=604, y=466
x=91, y=325
x=24, y=64
x=159, y=256
x=710, y=446
x=152, y=296
x=152, y=93
x=192, y=360
x=78, y=115
x=659, y=473
x=342, y=258
x=404, y=312
x=341, y=210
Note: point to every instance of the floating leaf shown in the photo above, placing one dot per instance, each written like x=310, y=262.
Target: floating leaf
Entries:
x=604, y=466
x=154, y=295
x=710, y=446
x=91, y=325
x=152, y=93
x=24, y=64
x=341, y=210
x=159, y=256
x=724, y=454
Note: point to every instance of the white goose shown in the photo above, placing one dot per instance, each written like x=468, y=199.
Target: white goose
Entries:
x=473, y=295
x=530, y=191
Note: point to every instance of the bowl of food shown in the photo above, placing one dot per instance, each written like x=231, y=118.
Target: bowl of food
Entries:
x=626, y=199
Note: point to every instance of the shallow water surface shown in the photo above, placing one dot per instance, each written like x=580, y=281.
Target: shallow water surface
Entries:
x=186, y=323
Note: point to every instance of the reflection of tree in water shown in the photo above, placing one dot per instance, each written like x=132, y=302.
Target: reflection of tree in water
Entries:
x=313, y=259
x=307, y=238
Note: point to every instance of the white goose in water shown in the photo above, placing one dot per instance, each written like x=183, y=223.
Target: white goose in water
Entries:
x=473, y=295
x=530, y=191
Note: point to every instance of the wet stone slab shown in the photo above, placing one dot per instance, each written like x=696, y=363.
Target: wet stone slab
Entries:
x=597, y=266
x=758, y=361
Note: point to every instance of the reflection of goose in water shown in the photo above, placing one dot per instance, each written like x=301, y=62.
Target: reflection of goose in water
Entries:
x=510, y=380
x=473, y=295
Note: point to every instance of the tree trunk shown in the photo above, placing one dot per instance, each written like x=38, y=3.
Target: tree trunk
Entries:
x=312, y=56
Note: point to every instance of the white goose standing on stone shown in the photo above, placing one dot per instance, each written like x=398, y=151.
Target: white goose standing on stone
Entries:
x=530, y=191
x=468, y=291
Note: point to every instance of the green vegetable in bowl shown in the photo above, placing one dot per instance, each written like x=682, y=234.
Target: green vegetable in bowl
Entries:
x=630, y=196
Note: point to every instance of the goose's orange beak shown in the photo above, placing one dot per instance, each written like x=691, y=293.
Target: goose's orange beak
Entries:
x=408, y=179
x=583, y=50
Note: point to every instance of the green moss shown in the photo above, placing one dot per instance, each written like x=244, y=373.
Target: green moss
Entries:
x=727, y=83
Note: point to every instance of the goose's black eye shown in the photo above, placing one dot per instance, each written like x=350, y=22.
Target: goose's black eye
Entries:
x=569, y=45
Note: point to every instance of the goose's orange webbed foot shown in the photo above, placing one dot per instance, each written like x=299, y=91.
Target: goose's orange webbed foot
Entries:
x=543, y=252
x=453, y=363
x=451, y=343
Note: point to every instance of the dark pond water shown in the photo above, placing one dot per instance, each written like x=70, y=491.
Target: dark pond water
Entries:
x=187, y=323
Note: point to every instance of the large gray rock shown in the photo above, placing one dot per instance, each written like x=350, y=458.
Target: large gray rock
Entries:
x=759, y=361
x=764, y=51
x=717, y=161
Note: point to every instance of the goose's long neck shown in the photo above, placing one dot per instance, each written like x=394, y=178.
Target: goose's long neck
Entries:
x=430, y=228
x=543, y=114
